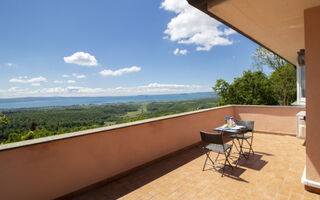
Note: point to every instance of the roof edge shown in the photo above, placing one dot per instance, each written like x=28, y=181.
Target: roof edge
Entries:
x=202, y=6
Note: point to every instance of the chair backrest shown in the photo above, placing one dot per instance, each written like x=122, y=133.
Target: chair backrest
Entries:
x=248, y=124
x=215, y=138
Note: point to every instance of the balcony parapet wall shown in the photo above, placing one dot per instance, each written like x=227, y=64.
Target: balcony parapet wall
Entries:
x=51, y=167
x=280, y=120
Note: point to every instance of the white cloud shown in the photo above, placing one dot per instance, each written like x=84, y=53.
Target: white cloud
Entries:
x=15, y=92
x=81, y=58
x=10, y=64
x=152, y=88
x=176, y=51
x=71, y=81
x=191, y=26
x=229, y=31
x=58, y=81
x=25, y=79
x=159, y=85
x=14, y=89
x=180, y=51
x=36, y=84
x=108, y=72
x=68, y=81
x=78, y=76
x=176, y=6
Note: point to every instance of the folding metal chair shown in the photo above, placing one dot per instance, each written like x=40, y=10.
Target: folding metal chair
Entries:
x=244, y=136
x=216, y=142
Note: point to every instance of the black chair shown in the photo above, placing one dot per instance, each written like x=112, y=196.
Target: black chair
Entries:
x=216, y=142
x=249, y=128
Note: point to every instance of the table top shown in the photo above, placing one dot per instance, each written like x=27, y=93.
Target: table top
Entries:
x=235, y=129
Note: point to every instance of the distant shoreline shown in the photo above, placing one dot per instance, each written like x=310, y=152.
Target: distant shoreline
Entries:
x=43, y=102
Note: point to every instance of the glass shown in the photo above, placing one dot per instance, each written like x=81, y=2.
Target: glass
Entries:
x=303, y=81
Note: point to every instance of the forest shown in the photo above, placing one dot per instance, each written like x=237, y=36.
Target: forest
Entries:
x=33, y=123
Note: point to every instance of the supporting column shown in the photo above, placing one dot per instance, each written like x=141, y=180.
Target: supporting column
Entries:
x=312, y=47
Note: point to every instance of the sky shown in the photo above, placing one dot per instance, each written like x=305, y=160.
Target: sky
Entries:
x=112, y=48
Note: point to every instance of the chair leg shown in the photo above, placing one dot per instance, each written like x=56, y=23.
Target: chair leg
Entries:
x=234, y=144
x=205, y=162
x=227, y=154
x=223, y=167
x=217, y=157
x=208, y=157
x=250, y=146
x=227, y=157
x=212, y=160
x=241, y=149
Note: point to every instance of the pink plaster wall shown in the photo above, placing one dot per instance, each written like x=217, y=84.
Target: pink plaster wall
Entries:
x=312, y=44
x=270, y=119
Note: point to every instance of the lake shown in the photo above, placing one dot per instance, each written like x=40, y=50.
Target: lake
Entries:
x=32, y=102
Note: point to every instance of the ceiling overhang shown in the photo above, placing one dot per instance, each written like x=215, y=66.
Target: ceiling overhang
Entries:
x=277, y=25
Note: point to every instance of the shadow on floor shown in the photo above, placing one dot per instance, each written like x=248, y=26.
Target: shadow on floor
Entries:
x=139, y=178
x=263, y=153
x=254, y=162
x=234, y=173
x=120, y=187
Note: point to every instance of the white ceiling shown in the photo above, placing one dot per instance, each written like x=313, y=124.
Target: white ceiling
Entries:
x=276, y=24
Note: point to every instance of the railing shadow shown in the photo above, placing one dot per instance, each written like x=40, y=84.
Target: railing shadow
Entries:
x=125, y=185
x=264, y=153
x=234, y=173
x=254, y=161
x=120, y=187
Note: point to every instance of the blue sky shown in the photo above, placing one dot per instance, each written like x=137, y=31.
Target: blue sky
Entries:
x=107, y=48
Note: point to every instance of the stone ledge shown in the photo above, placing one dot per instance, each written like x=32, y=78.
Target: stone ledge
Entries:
x=14, y=145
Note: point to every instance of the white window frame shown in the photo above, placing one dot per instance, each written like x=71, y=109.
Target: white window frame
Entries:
x=300, y=99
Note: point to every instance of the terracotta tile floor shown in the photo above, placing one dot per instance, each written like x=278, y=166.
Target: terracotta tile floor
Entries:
x=274, y=172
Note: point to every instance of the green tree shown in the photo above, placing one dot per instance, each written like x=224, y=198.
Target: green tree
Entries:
x=284, y=84
x=283, y=77
x=265, y=58
x=253, y=88
x=13, y=137
x=223, y=89
x=3, y=119
x=30, y=135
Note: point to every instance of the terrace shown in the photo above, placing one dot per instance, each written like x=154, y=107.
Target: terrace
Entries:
x=157, y=158
x=161, y=159
x=272, y=173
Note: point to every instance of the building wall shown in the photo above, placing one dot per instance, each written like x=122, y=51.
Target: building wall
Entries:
x=312, y=44
x=270, y=119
